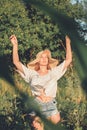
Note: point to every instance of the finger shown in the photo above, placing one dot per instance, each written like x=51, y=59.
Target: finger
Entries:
x=67, y=36
x=12, y=36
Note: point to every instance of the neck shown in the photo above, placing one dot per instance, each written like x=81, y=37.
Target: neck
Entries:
x=43, y=70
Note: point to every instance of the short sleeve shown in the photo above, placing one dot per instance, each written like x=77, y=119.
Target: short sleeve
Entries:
x=27, y=75
x=59, y=71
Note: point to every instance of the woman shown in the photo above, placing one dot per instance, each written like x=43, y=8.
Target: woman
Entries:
x=42, y=74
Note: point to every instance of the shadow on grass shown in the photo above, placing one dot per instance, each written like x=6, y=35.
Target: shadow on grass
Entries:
x=3, y=123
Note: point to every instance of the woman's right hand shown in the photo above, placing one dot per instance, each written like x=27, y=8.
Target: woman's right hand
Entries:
x=67, y=39
x=13, y=40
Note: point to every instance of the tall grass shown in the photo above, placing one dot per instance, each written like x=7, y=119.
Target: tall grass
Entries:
x=71, y=100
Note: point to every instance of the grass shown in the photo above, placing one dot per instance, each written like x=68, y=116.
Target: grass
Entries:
x=71, y=103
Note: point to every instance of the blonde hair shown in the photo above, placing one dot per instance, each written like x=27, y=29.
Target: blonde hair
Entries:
x=35, y=63
x=37, y=66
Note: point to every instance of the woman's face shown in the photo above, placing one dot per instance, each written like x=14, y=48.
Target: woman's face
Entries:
x=43, y=59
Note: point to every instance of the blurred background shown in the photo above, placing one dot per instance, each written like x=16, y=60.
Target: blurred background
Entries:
x=41, y=24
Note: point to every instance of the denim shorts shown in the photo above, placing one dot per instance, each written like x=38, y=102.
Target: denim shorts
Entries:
x=47, y=108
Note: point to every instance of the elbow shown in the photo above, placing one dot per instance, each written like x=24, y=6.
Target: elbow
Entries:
x=15, y=63
x=70, y=60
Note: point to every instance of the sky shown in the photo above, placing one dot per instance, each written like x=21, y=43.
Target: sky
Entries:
x=83, y=23
x=74, y=1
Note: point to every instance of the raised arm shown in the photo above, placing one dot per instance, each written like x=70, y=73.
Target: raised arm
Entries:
x=68, y=59
x=16, y=60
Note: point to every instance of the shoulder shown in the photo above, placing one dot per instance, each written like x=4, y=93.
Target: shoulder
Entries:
x=28, y=70
x=60, y=66
x=59, y=70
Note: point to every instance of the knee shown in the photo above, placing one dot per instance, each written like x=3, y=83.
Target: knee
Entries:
x=55, y=119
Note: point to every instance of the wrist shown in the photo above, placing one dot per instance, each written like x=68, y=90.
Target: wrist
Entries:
x=15, y=45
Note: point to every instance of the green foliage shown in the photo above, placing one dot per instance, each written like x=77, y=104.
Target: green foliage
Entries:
x=66, y=7
x=13, y=20
x=12, y=108
x=72, y=101
x=73, y=114
x=35, y=30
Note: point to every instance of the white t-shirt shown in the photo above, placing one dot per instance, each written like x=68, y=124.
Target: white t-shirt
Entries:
x=46, y=83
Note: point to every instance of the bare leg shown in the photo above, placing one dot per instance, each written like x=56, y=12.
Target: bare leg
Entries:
x=37, y=124
x=55, y=118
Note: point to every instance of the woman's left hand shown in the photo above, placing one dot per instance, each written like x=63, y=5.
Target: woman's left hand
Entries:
x=67, y=39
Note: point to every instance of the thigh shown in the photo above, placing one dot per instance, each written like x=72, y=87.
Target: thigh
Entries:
x=48, y=109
